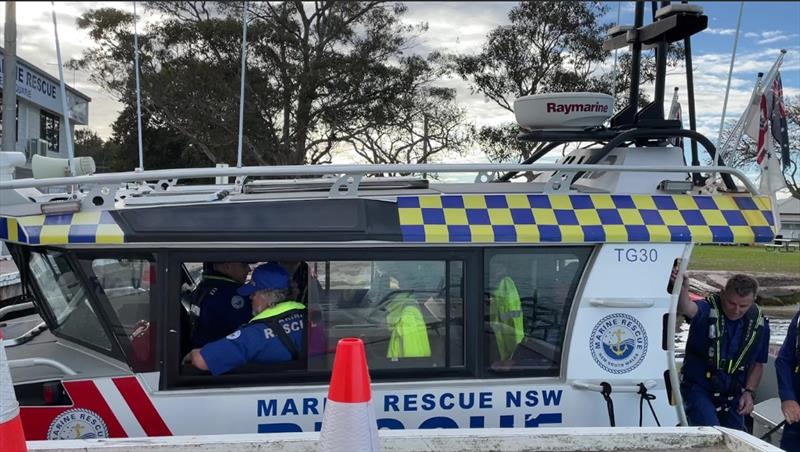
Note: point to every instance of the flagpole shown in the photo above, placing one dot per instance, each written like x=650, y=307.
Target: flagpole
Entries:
x=768, y=171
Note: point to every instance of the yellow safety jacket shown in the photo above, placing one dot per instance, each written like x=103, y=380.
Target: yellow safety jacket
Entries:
x=409, y=337
x=505, y=317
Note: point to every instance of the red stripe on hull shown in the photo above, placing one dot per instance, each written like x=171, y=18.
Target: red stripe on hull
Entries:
x=141, y=406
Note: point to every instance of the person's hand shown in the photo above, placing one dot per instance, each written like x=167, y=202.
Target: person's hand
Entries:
x=188, y=358
x=746, y=403
x=791, y=411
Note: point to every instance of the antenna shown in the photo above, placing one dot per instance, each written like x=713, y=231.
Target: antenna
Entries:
x=67, y=130
x=614, y=76
x=138, y=87
x=241, y=89
x=730, y=74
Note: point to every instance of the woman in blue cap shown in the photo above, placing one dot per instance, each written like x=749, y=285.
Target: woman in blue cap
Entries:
x=275, y=334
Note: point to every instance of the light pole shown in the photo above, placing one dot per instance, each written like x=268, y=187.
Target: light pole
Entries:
x=10, y=80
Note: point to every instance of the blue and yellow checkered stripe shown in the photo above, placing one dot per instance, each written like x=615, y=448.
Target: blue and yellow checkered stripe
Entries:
x=581, y=218
x=71, y=228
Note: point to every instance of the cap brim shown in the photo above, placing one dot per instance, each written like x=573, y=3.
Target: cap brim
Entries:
x=247, y=290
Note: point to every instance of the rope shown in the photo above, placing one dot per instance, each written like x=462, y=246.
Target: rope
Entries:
x=648, y=397
x=606, y=392
x=773, y=430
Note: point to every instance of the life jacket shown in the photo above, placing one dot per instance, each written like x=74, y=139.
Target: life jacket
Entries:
x=409, y=333
x=754, y=325
x=505, y=317
x=272, y=316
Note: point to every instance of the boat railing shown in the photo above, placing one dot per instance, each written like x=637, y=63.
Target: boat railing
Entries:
x=345, y=179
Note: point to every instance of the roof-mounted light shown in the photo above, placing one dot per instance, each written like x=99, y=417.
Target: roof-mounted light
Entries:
x=675, y=186
x=60, y=207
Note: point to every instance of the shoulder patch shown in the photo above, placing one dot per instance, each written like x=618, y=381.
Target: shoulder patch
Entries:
x=237, y=302
x=235, y=335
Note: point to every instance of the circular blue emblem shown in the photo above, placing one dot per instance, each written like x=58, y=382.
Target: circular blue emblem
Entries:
x=618, y=343
x=237, y=302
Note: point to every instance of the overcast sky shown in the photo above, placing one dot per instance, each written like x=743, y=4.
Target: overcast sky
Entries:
x=461, y=27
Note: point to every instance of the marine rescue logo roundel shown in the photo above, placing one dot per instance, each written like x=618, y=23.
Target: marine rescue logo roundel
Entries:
x=618, y=343
x=77, y=423
x=237, y=302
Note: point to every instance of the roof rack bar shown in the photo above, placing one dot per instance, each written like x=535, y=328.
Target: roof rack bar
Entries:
x=318, y=170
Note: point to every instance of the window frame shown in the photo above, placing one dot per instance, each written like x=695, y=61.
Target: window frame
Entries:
x=49, y=316
x=568, y=311
x=170, y=368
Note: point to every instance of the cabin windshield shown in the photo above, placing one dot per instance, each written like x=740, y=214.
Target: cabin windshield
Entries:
x=98, y=299
x=66, y=298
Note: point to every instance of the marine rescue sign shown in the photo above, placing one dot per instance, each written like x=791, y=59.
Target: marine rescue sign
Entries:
x=44, y=91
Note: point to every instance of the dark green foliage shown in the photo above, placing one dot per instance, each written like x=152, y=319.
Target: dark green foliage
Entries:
x=319, y=77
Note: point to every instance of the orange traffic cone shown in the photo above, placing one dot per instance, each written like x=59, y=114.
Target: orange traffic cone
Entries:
x=349, y=423
x=12, y=437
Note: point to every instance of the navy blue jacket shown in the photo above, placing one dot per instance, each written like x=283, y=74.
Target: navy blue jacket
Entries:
x=786, y=364
x=222, y=310
x=695, y=364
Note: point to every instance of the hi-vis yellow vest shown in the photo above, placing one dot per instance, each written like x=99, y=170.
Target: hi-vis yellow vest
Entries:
x=409, y=337
x=505, y=317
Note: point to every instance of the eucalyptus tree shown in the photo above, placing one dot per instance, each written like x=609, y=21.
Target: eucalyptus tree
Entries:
x=320, y=75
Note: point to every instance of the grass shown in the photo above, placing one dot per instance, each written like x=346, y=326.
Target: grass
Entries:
x=744, y=259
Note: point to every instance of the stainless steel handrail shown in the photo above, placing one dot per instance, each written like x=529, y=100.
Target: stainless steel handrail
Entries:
x=15, y=308
x=31, y=362
x=26, y=336
x=320, y=170
x=579, y=384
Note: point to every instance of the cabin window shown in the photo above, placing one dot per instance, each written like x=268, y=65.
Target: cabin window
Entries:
x=527, y=300
x=126, y=286
x=409, y=313
x=65, y=296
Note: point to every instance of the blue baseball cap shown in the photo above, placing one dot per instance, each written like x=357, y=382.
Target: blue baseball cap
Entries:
x=269, y=276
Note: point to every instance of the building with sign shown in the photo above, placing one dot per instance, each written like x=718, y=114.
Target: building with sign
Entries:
x=40, y=122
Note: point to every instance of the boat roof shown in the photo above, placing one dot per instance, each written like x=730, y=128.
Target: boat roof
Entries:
x=353, y=207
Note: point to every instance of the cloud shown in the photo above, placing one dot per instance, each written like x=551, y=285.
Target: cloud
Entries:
x=721, y=31
x=769, y=36
x=777, y=39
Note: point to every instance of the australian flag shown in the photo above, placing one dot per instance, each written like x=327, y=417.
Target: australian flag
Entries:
x=777, y=112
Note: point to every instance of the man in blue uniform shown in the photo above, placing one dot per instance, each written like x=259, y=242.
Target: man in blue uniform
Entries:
x=787, y=366
x=725, y=353
x=218, y=308
x=275, y=334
